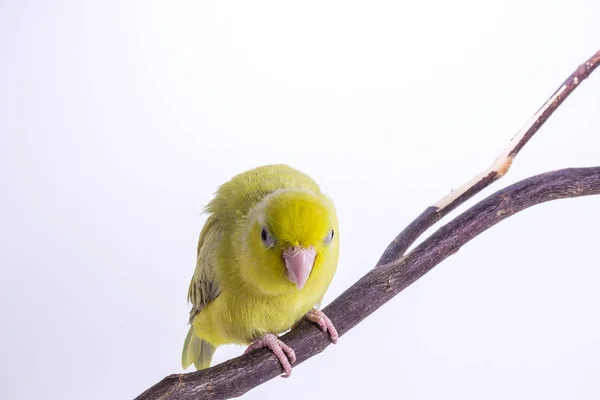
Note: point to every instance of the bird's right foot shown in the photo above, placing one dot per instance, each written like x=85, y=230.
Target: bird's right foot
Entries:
x=283, y=352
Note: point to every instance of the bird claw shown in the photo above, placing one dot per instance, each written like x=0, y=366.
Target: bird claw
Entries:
x=319, y=318
x=284, y=353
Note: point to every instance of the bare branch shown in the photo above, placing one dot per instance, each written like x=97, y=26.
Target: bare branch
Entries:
x=396, y=271
x=499, y=167
x=235, y=377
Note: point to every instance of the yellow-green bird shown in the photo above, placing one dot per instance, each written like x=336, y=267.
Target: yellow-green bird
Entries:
x=266, y=256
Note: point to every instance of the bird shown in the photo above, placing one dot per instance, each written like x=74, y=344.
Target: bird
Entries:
x=266, y=256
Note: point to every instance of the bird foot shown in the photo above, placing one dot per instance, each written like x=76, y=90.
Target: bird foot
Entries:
x=283, y=352
x=324, y=322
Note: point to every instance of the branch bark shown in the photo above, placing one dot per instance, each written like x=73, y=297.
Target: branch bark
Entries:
x=396, y=271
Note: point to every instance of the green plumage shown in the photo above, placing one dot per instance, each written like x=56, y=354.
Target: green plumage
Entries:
x=196, y=351
x=239, y=290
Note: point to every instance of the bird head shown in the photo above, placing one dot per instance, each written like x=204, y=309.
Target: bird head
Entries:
x=290, y=236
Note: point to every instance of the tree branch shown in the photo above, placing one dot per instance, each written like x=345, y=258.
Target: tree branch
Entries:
x=396, y=271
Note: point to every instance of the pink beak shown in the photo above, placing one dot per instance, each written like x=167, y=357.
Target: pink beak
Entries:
x=298, y=263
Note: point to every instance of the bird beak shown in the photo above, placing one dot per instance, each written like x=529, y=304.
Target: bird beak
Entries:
x=298, y=263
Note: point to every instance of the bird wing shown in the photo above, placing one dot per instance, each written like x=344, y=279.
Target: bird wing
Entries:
x=204, y=287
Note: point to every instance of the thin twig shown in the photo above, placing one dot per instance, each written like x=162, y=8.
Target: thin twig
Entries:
x=497, y=170
x=236, y=376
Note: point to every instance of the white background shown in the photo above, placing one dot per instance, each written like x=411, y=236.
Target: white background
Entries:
x=119, y=119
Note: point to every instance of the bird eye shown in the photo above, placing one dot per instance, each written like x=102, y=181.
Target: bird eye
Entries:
x=329, y=237
x=263, y=234
x=266, y=238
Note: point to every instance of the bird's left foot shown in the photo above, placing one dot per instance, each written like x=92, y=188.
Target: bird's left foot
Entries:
x=324, y=322
x=283, y=352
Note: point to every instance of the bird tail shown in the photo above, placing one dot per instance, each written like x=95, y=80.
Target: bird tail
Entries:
x=196, y=351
